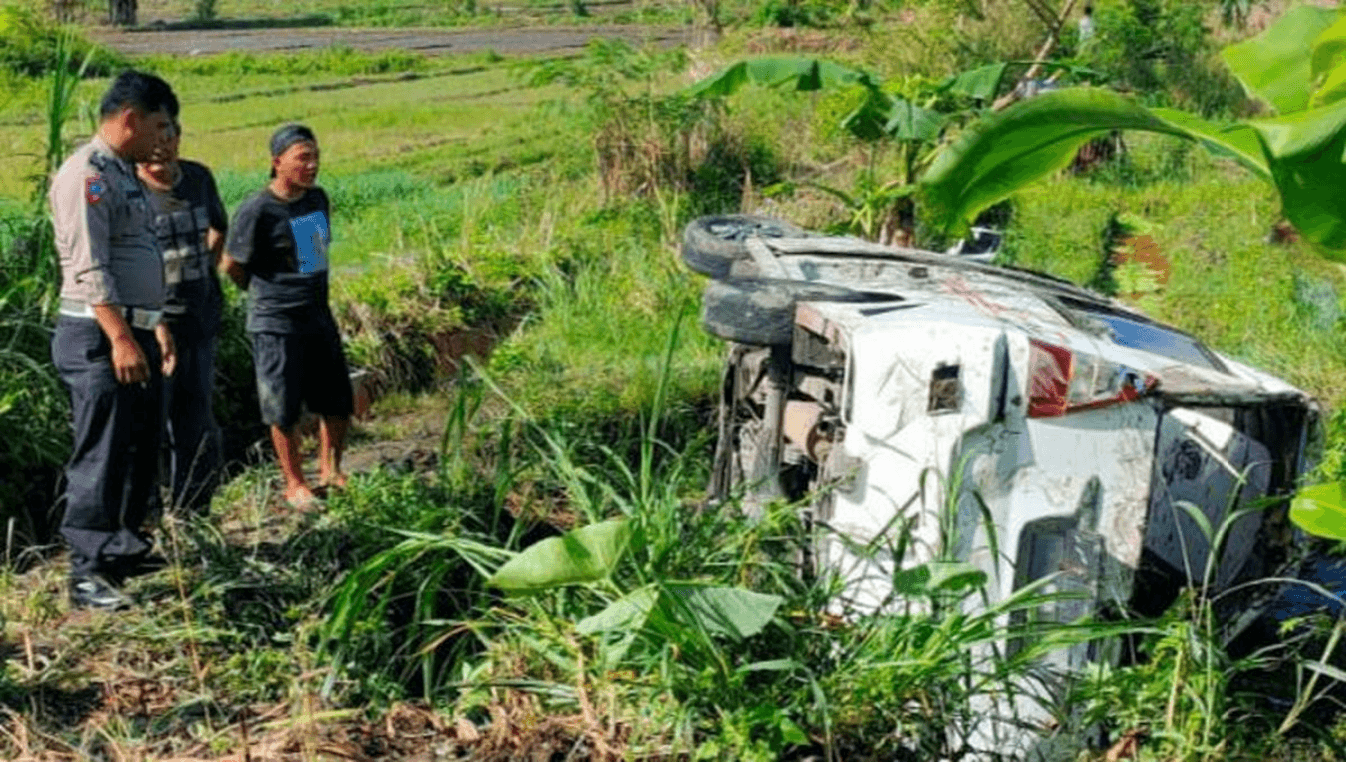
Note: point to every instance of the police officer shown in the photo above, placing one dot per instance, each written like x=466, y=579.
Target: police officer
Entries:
x=110, y=345
x=190, y=221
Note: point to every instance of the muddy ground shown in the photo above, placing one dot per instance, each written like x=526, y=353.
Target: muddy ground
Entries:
x=512, y=41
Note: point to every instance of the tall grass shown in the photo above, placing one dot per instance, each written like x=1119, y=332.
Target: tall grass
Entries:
x=33, y=407
x=696, y=633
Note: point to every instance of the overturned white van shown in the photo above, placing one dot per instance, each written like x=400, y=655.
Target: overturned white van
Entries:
x=901, y=390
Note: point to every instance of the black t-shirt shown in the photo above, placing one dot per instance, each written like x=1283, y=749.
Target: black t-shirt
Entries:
x=182, y=216
x=283, y=248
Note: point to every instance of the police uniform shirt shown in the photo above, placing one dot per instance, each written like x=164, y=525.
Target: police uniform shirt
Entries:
x=182, y=215
x=108, y=250
x=283, y=248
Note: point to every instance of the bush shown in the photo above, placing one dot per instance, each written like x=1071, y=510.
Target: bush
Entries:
x=1162, y=49
x=793, y=13
x=29, y=45
x=33, y=406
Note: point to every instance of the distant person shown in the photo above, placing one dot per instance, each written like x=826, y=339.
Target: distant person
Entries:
x=277, y=250
x=110, y=345
x=190, y=221
x=1085, y=27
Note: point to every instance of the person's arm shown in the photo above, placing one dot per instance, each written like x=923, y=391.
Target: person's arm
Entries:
x=233, y=269
x=218, y=219
x=238, y=250
x=215, y=242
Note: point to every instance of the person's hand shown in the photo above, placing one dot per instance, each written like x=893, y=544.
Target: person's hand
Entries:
x=128, y=361
x=168, y=350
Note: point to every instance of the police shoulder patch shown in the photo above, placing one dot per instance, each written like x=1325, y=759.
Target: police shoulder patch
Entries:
x=94, y=188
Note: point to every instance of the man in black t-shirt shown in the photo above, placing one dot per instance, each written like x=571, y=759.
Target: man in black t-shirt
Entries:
x=190, y=222
x=277, y=250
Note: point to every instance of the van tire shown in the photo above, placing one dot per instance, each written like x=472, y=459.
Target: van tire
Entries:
x=761, y=311
x=714, y=242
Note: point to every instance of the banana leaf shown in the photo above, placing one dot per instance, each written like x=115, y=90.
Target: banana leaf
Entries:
x=1276, y=65
x=796, y=73
x=1033, y=139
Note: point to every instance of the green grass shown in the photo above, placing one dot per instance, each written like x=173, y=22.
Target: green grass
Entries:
x=458, y=200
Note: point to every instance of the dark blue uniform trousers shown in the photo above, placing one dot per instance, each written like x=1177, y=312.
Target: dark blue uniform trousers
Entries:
x=193, y=435
x=112, y=474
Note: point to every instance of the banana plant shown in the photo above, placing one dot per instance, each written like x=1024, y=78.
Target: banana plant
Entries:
x=880, y=210
x=1296, y=67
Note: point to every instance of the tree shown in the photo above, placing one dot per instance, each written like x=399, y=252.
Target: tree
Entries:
x=122, y=12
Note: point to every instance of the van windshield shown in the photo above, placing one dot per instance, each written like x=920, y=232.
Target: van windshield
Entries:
x=1130, y=332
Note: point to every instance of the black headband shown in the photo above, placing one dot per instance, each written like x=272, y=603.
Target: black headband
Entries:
x=288, y=136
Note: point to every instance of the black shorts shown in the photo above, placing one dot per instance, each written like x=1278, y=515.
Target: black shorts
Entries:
x=297, y=371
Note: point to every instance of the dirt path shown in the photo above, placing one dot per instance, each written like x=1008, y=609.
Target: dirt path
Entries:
x=530, y=40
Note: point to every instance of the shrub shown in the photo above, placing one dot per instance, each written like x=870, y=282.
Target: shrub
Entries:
x=29, y=45
x=33, y=408
x=1161, y=48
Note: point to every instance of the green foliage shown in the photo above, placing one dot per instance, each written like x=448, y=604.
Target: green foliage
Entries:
x=1179, y=690
x=1281, y=65
x=1161, y=49
x=643, y=138
x=585, y=554
x=340, y=60
x=1319, y=510
x=1036, y=137
x=33, y=407
x=30, y=44
x=797, y=13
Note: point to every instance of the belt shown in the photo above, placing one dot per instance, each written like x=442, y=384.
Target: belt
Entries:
x=137, y=317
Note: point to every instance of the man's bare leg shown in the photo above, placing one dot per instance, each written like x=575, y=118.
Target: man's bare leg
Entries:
x=291, y=460
x=331, y=441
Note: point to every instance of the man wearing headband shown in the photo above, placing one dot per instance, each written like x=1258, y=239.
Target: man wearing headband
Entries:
x=190, y=221
x=277, y=250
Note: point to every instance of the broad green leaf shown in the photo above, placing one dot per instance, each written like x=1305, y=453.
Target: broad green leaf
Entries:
x=791, y=733
x=911, y=122
x=868, y=120
x=1319, y=510
x=626, y=613
x=981, y=83
x=587, y=554
x=935, y=577
x=1305, y=153
x=730, y=611
x=1275, y=66
x=1022, y=144
x=1238, y=142
x=798, y=73
x=984, y=82
x=1327, y=69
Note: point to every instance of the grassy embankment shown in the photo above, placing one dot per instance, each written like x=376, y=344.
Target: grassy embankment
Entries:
x=458, y=201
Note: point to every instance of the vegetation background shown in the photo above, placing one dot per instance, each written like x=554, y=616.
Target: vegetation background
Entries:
x=533, y=206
